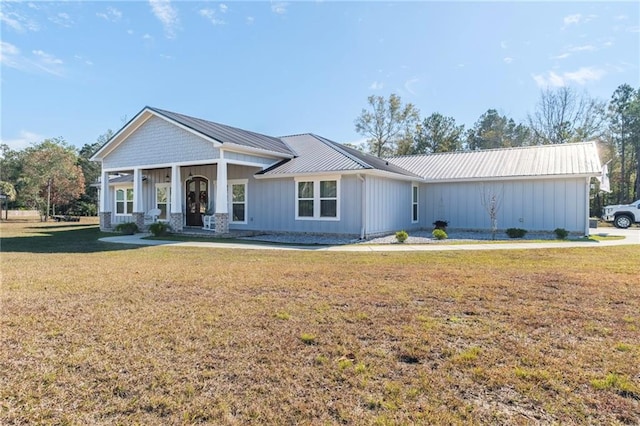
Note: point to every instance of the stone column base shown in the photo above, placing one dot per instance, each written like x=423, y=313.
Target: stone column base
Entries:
x=138, y=219
x=105, y=221
x=222, y=223
x=175, y=221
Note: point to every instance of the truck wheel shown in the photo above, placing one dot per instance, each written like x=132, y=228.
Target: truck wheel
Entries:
x=623, y=221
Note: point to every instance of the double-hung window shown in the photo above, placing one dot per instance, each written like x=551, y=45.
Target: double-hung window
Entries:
x=163, y=200
x=124, y=201
x=414, y=203
x=238, y=200
x=318, y=199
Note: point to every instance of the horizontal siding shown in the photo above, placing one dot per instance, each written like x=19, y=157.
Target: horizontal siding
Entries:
x=534, y=205
x=159, y=142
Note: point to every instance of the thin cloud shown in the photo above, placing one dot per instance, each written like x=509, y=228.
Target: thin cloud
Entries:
x=503, y=44
x=507, y=60
x=584, y=48
x=408, y=85
x=250, y=20
x=577, y=18
x=25, y=139
x=9, y=55
x=167, y=15
x=111, y=14
x=376, y=85
x=561, y=56
x=83, y=59
x=18, y=22
x=582, y=76
x=211, y=15
x=572, y=19
x=62, y=19
x=223, y=8
x=279, y=7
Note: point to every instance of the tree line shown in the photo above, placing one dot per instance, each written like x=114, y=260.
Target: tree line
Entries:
x=52, y=177
x=561, y=115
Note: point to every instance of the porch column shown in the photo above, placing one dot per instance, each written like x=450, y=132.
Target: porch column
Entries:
x=222, y=209
x=105, y=202
x=138, y=204
x=175, y=218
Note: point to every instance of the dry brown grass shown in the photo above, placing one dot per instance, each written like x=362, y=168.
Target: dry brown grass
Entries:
x=182, y=335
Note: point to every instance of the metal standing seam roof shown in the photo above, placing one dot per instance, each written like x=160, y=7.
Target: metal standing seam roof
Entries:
x=533, y=161
x=224, y=133
x=316, y=154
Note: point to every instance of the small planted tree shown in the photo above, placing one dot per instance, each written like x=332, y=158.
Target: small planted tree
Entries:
x=491, y=200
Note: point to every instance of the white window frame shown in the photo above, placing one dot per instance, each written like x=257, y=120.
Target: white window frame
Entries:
x=316, y=197
x=168, y=203
x=415, y=203
x=115, y=200
x=230, y=202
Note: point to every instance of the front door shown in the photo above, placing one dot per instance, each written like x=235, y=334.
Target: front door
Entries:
x=197, y=200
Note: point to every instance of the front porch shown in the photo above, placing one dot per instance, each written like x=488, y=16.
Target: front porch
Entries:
x=190, y=198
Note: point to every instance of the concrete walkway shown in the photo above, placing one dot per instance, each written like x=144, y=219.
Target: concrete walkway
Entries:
x=631, y=237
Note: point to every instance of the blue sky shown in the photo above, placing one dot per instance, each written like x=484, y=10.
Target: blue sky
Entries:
x=77, y=68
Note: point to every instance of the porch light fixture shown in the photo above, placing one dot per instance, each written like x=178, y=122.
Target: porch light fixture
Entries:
x=167, y=178
x=190, y=174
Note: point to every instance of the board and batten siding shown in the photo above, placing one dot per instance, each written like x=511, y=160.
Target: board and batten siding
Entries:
x=389, y=206
x=158, y=142
x=272, y=208
x=534, y=205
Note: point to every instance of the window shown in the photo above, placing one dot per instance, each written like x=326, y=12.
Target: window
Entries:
x=414, y=203
x=124, y=201
x=163, y=200
x=238, y=201
x=317, y=199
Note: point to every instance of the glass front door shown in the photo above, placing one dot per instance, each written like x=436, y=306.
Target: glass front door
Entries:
x=197, y=200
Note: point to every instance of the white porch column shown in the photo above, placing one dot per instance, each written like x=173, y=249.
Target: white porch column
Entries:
x=138, y=206
x=105, y=205
x=176, y=190
x=138, y=201
x=175, y=217
x=221, y=188
x=105, y=202
x=222, y=209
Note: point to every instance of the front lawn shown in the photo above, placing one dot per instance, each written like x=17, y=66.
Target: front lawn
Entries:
x=98, y=333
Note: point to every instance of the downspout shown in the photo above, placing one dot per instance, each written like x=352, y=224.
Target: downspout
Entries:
x=363, y=208
x=587, y=193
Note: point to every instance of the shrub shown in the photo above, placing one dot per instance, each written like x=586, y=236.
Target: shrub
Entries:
x=561, y=233
x=401, y=236
x=441, y=224
x=127, y=228
x=439, y=234
x=158, y=229
x=516, y=232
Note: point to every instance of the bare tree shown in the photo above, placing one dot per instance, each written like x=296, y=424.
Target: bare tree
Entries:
x=387, y=124
x=491, y=200
x=563, y=115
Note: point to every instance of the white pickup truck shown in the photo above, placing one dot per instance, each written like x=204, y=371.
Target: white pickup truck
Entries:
x=622, y=215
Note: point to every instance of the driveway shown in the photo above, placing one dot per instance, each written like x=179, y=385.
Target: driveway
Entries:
x=631, y=237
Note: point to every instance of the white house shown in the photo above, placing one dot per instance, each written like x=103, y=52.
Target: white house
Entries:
x=193, y=170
